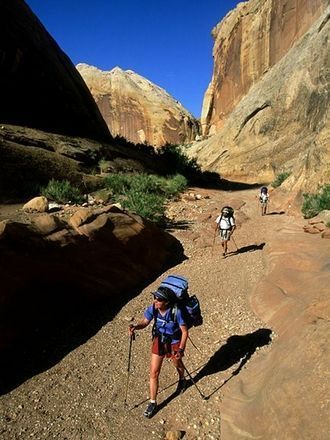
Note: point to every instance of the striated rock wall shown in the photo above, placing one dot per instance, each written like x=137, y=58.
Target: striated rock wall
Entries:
x=282, y=123
x=248, y=42
x=40, y=87
x=286, y=394
x=137, y=109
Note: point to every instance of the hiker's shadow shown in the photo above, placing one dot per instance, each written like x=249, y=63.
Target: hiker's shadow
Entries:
x=276, y=213
x=237, y=349
x=250, y=248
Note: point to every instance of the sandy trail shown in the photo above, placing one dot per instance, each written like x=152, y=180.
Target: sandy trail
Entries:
x=82, y=397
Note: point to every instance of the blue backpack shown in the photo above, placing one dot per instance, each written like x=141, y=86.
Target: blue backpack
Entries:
x=189, y=305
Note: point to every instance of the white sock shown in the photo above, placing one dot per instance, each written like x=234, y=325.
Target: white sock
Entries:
x=152, y=401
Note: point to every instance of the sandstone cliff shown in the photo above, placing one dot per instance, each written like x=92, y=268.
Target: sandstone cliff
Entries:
x=40, y=87
x=282, y=122
x=247, y=43
x=137, y=109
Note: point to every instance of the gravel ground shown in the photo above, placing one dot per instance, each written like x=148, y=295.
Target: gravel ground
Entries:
x=82, y=396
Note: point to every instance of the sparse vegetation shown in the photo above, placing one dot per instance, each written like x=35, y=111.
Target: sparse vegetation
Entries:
x=104, y=165
x=280, y=179
x=144, y=194
x=315, y=203
x=178, y=162
x=62, y=191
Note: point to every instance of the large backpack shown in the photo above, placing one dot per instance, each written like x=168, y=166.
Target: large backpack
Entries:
x=229, y=209
x=189, y=305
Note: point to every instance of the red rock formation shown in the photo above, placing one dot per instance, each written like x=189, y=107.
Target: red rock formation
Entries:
x=248, y=42
x=40, y=87
x=286, y=394
x=137, y=109
x=272, y=118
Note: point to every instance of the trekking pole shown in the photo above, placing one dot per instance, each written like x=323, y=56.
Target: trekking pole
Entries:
x=215, y=233
x=234, y=242
x=194, y=383
x=131, y=339
x=194, y=345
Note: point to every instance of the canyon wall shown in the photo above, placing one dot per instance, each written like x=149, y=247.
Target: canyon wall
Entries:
x=40, y=87
x=275, y=118
x=137, y=109
x=247, y=43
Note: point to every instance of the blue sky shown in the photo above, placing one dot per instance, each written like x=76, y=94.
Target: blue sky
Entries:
x=167, y=41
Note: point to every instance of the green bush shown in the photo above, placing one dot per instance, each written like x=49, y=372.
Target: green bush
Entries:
x=178, y=162
x=280, y=179
x=62, y=192
x=143, y=193
x=315, y=203
x=148, y=205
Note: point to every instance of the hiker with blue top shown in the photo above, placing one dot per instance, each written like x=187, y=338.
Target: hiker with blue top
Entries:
x=169, y=337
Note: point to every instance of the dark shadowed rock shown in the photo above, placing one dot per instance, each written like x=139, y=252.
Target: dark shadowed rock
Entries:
x=52, y=279
x=40, y=86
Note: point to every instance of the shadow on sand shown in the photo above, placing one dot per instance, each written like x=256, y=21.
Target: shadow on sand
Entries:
x=276, y=213
x=237, y=349
x=250, y=248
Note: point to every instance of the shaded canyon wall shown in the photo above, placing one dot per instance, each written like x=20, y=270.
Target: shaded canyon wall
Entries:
x=40, y=87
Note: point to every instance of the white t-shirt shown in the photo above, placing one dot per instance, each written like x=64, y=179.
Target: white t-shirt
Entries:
x=225, y=222
x=264, y=197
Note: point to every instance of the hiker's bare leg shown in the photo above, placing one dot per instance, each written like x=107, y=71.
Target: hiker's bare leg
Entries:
x=155, y=366
x=179, y=367
x=225, y=245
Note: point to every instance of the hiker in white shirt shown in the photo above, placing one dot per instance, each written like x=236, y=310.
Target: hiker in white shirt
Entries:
x=225, y=223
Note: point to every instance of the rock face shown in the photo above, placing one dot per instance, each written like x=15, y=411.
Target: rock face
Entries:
x=137, y=109
x=293, y=299
x=269, y=97
x=55, y=269
x=248, y=42
x=54, y=156
x=40, y=86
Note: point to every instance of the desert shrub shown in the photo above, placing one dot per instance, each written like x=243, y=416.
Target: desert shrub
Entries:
x=148, y=205
x=178, y=162
x=280, y=179
x=174, y=185
x=104, y=165
x=62, y=192
x=315, y=203
x=144, y=194
x=118, y=183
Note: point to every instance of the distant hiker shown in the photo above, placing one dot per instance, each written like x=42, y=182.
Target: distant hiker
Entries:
x=169, y=340
x=264, y=199
x=225, y=223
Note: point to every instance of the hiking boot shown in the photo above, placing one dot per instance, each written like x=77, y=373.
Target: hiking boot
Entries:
x=182, y=386
x=150, y=410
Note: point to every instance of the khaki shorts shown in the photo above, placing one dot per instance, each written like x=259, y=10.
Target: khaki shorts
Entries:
x=225, y=234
